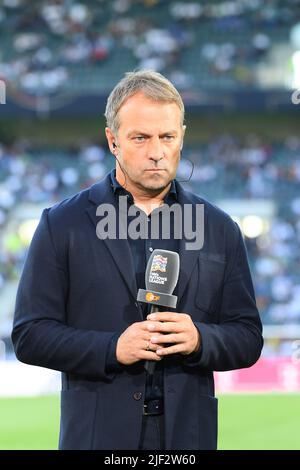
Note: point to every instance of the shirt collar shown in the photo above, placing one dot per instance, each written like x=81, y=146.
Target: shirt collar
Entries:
x=118, y=189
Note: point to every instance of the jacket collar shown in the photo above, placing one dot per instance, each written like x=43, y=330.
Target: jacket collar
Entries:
x=118, y=189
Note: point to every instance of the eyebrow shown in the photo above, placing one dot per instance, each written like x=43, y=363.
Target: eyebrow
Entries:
x=131, y=133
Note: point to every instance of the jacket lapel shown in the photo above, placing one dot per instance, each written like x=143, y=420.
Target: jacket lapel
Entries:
x=119, y=248
x=188, y=258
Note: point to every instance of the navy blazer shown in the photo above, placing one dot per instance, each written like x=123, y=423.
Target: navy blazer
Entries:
x=76, y=291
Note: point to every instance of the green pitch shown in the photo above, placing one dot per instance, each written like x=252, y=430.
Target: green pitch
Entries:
x=245, y=422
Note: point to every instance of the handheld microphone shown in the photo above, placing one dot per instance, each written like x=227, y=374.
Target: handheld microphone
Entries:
x=160, y=279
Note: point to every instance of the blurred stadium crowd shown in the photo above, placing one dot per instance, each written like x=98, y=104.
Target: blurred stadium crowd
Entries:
x=228, y=167
x=79, y=47
x=58, y=48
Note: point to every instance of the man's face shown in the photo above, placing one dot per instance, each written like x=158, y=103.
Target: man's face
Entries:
x=149, y=142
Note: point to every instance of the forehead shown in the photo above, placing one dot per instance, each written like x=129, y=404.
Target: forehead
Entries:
x=141, y=111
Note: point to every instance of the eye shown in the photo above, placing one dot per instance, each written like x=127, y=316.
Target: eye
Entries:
x=139, y=138
x=168, y=138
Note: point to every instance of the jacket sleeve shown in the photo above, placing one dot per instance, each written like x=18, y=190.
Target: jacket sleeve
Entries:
x=235, y=341
x=112, y=364
x=41, y=335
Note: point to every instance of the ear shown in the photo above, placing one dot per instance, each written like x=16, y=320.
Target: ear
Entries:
x=182, y=138
x=110, y=139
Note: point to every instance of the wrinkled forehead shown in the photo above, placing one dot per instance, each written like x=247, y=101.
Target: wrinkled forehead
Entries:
x=146, y=114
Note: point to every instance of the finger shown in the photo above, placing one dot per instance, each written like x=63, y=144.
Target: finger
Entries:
x=146, y=344
x=168, y=327
x=149, y=355
x=163, y=339
x=151, y=345
x=177, y=348
x=151, y=326
x=144, y=325
x=165, y=316
x=155, y=347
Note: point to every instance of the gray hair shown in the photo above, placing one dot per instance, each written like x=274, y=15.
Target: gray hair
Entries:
x=154, y=85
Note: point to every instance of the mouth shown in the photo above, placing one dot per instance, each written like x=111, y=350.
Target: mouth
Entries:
x=156, y=169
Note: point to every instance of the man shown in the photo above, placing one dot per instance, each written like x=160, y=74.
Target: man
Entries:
x=76, y=308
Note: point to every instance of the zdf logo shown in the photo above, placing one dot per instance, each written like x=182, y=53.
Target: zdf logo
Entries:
x=296, y=97
x=2, y=92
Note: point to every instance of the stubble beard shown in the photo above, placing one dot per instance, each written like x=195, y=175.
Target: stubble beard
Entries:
x=153, y=186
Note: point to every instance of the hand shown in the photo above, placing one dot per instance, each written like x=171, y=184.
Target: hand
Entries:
x=175, y=328
x=134, y=345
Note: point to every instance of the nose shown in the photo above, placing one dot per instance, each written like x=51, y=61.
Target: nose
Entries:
x=155, y=149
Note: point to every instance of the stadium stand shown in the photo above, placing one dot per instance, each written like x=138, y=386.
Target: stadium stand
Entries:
x=77, y=48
